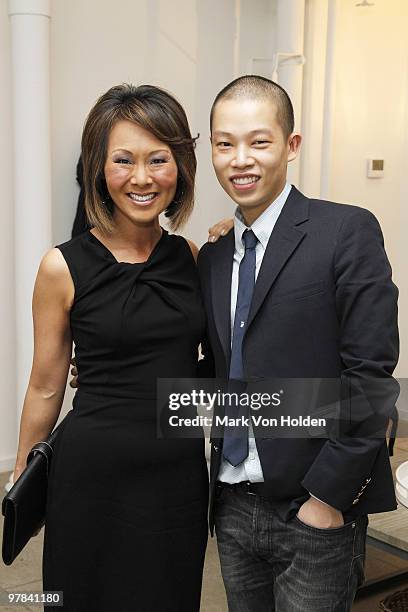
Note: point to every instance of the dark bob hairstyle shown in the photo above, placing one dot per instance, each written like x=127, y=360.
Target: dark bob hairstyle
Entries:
x=155, y=110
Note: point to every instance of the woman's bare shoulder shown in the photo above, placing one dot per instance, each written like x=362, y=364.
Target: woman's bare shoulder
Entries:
x=53, y=265
x=193, y=247
x=54, y=276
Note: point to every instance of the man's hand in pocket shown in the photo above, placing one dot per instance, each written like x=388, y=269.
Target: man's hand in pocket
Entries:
x=320, y=515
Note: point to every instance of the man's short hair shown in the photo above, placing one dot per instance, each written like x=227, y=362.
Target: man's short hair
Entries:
x=257, y=87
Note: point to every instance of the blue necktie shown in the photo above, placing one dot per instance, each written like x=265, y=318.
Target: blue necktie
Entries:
x=235, y=448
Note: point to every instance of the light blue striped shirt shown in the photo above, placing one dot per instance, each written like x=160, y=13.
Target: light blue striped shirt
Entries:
x=262, y=227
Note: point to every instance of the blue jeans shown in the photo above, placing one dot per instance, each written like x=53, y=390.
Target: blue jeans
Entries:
x=271, y=565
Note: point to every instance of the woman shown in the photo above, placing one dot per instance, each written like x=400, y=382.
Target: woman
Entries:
x=126, y=524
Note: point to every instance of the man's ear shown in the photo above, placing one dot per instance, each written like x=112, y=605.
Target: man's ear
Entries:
x=294, y=142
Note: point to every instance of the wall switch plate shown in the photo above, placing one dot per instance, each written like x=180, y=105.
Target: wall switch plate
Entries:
x=375, y=167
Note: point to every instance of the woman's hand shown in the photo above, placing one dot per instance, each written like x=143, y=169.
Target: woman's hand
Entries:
x=74, y=372
x=220, y=229
x=18, y=470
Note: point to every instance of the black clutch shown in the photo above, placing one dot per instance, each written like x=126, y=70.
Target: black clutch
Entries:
x=24, y=505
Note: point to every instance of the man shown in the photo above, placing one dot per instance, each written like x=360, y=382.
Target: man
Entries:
x=299, y=289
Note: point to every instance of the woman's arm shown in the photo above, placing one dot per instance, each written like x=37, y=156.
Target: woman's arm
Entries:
x=52, y=300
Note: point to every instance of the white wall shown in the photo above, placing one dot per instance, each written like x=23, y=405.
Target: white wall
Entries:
x=8, y=422
x=370, y=119
x=313, y=97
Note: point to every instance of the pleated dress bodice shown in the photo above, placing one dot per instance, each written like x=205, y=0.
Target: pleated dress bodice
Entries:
x=132, y=323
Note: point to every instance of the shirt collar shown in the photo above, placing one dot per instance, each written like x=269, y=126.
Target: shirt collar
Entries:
x=264, y=224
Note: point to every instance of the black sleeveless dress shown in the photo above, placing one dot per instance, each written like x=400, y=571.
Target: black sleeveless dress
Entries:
x=126, y=522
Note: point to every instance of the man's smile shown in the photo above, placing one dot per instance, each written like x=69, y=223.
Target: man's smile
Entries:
x=244, y=182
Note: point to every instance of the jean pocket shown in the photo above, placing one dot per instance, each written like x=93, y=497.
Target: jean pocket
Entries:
x=328, y=531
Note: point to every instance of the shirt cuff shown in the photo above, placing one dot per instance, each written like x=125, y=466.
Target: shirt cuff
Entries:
x=321, y=501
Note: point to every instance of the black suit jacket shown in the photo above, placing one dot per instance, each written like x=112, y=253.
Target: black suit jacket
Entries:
x=324, y=306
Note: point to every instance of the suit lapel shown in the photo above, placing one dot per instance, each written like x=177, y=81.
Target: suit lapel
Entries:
x=285, y=238
x=221, y=272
